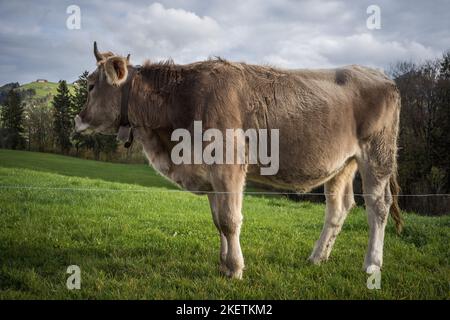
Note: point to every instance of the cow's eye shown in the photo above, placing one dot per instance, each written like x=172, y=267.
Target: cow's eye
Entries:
x=91, y=86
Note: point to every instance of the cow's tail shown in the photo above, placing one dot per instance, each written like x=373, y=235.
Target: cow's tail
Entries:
x=393, y=182
x=395, y=208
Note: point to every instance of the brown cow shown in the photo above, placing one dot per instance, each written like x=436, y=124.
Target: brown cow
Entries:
x=331, y=123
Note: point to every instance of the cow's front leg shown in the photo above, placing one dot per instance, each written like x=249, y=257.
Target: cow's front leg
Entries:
x=223, y=240
x=228, y=183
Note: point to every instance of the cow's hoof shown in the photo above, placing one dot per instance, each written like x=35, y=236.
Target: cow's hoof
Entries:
x=316, y=259
x=235, y=274
x=371, y=269
x=223, y=269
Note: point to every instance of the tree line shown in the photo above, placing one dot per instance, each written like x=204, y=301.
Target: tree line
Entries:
x=424, y=141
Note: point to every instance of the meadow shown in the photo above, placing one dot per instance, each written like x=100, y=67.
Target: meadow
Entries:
x=43, y=92
x=136, y=236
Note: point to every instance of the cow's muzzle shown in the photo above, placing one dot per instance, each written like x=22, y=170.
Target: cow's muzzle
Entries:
x=80, y=126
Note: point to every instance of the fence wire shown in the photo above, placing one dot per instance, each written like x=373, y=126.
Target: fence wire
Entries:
x=208, y=192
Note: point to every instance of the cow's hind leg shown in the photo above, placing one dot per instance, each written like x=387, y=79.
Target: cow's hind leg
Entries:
x=377, y=164
x=378, y=200
x=213, y=202
x=339, y=201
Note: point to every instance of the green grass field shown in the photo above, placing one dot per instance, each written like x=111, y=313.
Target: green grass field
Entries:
x=135, y=236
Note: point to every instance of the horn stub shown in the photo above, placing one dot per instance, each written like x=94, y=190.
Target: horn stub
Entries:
x=97, y=54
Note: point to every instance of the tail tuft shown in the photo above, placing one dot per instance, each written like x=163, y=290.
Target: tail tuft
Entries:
x=395, y=209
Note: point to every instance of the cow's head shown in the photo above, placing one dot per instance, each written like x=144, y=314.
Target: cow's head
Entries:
x=102, y=110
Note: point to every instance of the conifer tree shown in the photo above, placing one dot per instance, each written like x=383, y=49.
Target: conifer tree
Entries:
x=78, y=101
x=12, y=116
x=62, y=117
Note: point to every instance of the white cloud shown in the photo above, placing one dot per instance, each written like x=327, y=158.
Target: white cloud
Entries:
x=365, y=48
x=287, y=33
x=166, y=32
x=332, y=51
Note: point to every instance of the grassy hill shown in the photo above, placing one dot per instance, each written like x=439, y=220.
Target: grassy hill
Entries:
x=42, y=88
x=136, y=236
x=44, y=92
x=34, y=93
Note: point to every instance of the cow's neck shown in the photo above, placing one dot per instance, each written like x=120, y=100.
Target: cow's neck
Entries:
x=151, y=94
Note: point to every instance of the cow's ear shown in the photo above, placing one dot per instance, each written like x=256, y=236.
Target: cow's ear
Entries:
x=116, y=70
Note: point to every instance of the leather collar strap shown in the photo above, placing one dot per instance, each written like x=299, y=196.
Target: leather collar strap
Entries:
x=125, y=130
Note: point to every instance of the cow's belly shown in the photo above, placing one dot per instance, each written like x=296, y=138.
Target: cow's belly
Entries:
x=306, y=164
x=294, y=180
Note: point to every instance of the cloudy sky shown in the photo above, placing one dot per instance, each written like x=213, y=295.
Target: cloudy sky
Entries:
x=36, y=43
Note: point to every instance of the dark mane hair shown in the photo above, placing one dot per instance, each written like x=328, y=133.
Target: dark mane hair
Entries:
x=162, y=75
